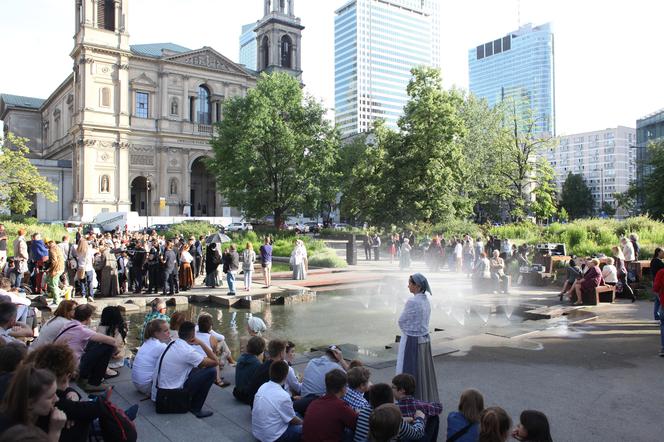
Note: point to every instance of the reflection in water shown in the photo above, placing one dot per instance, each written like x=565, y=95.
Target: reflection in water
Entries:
x=365, y=316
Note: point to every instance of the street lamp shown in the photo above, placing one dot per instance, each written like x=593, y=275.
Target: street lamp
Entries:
x=147, y=190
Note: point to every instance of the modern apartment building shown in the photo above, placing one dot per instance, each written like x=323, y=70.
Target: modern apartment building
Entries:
x=248, y=46
x=604, y=159
x=376, y=44
x=648, y=129
x=519, y=65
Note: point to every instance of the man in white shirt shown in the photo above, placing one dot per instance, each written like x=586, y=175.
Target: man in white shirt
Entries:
x=313, y=384
x=272, y=417
x=183, y=367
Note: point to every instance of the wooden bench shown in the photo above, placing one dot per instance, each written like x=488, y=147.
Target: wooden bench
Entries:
x=602, y=290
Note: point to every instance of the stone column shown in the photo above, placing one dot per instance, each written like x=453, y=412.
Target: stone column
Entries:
x=122, y=177
x=118, y=13
x=213, y=111
x=163, y=190
x=163, y=85
x=185, y=99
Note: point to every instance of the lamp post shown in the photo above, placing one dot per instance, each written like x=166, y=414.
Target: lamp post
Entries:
x=147, y=212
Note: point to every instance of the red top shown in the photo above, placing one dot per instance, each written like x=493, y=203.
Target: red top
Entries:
x=658, y=285
x=326, y=419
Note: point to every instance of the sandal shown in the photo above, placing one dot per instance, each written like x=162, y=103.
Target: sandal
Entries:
x=111, y=374
x=222, y=383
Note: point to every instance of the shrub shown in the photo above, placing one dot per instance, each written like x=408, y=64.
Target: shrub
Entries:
x=574, y=235
x=326, y=258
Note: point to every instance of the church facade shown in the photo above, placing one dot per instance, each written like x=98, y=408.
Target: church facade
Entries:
x=129, y=128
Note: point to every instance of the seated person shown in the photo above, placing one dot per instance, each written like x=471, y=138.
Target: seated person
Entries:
x=112, y=324
x=590, y=281
x=59, y=360
x=572, y=272
x=11, y=356
x=177, y=319
x=610, y=272
x=276, y=350
x=23, y=308
x=61, y=317
x=204, y=333
x=328, y=418
x=292, y=381
x=384, y=423
x=184, y=367
x=482, y=268
x=158, y=311
x=404, y=388
x=380, y=394
x=246, y=367
x=463, y=425
x=155, y=338
x=313, y=384
x=92, y=359
x=497, y=267
x=272, y=417
x=10, y=330
x=222, y=347
x=358, y=384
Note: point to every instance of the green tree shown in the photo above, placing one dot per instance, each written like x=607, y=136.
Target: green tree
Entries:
x=608, y=209
x=653, y=183
x=274, y=151
x=517, y=156
x=576, y=197
x=544, y=203
x=19, y=179
x=627, y=200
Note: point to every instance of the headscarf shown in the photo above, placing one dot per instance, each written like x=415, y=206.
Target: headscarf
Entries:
x=422, y=282
x=256, y=325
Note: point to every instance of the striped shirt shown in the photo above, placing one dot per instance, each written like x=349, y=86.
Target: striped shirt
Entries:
x=412, y=431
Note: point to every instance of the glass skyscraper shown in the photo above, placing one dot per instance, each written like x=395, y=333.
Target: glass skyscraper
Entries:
x=376, y=44
x=248, y=46
x=519, y=65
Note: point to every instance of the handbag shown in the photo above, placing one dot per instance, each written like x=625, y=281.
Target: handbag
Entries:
x=171, y=400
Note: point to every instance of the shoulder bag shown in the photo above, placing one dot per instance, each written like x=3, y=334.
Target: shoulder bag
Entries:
x=456, y=436
x=171, y=400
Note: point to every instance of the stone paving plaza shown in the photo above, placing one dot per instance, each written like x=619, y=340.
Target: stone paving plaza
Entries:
x=597, y=379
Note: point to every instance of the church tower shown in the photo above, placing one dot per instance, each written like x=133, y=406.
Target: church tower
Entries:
x=279, y=39
x=101, y=104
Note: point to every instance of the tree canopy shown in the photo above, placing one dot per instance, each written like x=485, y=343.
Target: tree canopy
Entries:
x=576, y=197
x=653, y=183
x=274, y=152
x=19, y=179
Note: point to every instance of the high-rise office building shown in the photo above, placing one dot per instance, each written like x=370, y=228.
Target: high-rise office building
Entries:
x=604, y=159
x=519, y=65
x=376, y=44
x=248, y=46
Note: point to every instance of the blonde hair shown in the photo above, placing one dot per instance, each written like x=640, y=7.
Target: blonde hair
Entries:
x=610, y=261
x=57, y=260
x=82, y=247
x=250, y=246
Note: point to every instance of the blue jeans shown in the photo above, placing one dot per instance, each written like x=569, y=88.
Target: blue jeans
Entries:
x=292, y=434
x=656, y=308
x=86, y=284
x=198, y=383
x=230, y=278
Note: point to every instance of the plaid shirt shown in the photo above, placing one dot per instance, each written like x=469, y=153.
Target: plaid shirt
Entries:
x=355, y=399
x=150, y=317
x=409, y=405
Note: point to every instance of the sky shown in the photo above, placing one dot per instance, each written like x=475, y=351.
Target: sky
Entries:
x=608, y=59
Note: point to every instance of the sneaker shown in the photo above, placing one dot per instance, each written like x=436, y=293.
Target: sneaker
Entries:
x=202, y=414
x=132, y=412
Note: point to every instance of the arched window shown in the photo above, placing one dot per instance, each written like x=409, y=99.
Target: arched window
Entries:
x=265, y=53
x=203, y=105
x=286, y=52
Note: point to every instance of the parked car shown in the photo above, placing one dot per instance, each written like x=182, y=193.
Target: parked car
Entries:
x=239, y=227
x=314, y=227
x=341, y=226
x=159, y=227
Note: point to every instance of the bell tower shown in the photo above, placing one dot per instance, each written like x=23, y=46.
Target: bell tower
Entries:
x=279, y=39
x=100, y=120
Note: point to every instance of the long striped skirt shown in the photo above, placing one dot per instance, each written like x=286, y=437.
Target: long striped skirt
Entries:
x=416, y=359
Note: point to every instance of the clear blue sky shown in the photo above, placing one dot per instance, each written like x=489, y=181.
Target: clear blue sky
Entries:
x=608, y=53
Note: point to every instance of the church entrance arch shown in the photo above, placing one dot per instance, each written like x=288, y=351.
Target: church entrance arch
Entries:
x=203, y=190
x=139, y=195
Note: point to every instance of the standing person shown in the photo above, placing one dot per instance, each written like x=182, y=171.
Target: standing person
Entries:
x=634, y=239
x=375, y=246
x=198, y=256
x=3, y=246
x=55, y=270
x=628, y=251
x=248, y=260
x=404, y=259
x=137, y=266
x=656, y=264
x=122, y=271
x=298, y=260
x=20, y=257
x=186, y=273
x=623, y=289
x=266, y=261
x=110, y=285
x=212, y=261
x=39, y=255
x=392, y=245
x=168, y=260
x=366, y=243
x=83, y=278
x=533, y=427
x=414, y=355
x=458, y=256
x=495, y=425
x=68, y=251
x=468, y=257
x=658, y=287
x=152, y=264
x=233, y=261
